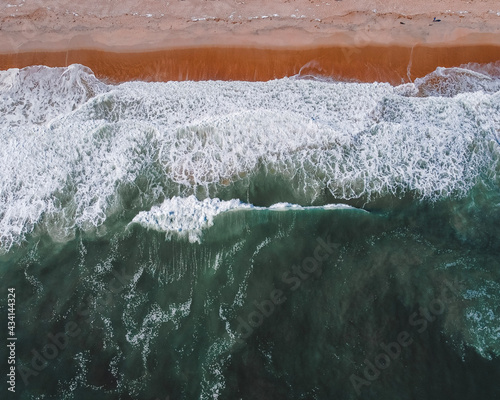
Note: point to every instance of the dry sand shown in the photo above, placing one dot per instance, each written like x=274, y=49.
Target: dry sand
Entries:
x=251, y=40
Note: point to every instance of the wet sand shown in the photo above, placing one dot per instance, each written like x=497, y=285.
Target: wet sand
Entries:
x=231, y=40
x=392, y=64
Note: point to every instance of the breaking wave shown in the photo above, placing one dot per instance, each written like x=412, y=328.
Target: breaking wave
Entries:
x=187, y=216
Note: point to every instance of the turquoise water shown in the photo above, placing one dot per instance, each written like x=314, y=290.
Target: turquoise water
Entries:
x=293, y=239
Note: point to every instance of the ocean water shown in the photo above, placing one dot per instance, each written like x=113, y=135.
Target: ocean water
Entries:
x=291, y=239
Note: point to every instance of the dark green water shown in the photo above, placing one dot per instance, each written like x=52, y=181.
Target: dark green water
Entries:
x=154, y=318
x=395, y=297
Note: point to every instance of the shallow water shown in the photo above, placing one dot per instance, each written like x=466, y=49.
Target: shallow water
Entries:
x=293, y=239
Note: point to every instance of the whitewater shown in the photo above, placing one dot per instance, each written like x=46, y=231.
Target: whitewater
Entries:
x=75, y=149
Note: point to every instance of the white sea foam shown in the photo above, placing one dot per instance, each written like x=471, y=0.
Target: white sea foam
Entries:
x=449, y=82
x=37, y=94
x=289, y=206
x=75, y=150
x=185, y=216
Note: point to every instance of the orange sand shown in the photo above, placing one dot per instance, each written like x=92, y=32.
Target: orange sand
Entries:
x=392, y=64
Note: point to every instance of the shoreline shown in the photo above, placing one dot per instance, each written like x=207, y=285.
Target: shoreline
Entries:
x=369, y=63
x=363, y=40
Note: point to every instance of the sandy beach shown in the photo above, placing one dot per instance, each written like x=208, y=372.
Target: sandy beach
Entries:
x=235, y=40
